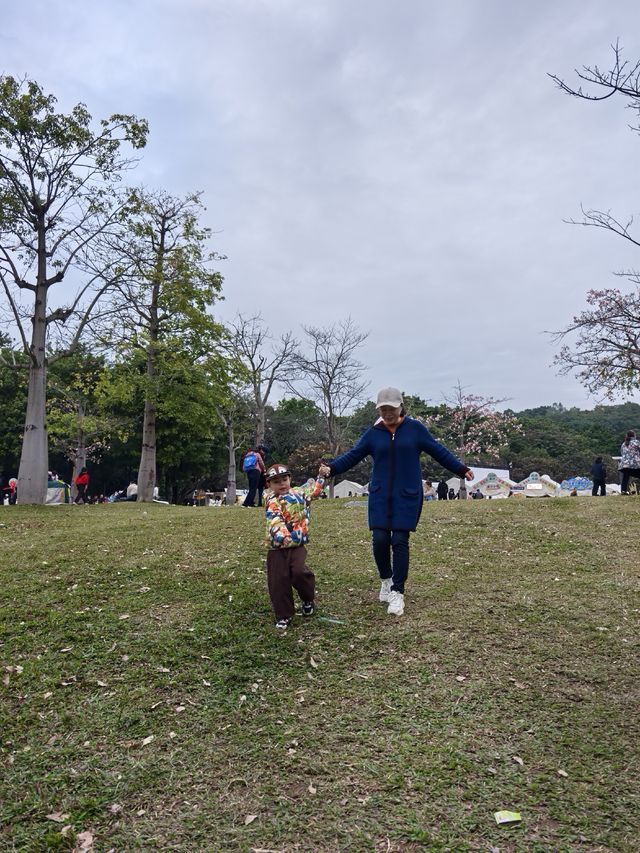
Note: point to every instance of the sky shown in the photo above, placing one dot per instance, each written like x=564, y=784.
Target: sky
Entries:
x=409, y=164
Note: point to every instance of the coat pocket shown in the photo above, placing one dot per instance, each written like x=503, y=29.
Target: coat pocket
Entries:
x=410, y=493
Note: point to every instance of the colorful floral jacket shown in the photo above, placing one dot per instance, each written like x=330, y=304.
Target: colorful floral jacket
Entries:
x=630, y=454
x=288, y=516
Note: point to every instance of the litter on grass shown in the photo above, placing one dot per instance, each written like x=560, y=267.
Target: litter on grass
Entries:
x=507, y=817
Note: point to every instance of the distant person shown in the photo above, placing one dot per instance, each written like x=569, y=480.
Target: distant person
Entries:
x=428, y=490
x=253, y=467
x=629, y=460
x=599, y=477
x=132, y=491
x=82, y=484
x=287, y=515
x=13, y=491
x=395, y=443
x=442, y=490
x=452, y=494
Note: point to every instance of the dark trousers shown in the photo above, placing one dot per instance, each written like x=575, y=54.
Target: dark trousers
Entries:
x=627, y=474
x=82, y=494
x=254, y=481
x=388, y=542
x=599, y=485
x=286, y=571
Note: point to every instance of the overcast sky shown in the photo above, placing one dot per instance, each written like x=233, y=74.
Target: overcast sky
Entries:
x=407, y=163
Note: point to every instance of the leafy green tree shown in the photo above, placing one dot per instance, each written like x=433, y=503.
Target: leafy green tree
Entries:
x=58, y=193
x=13, y=404
x=291, y=426
x=162, y=301
x=190, y=441
x=77, y=429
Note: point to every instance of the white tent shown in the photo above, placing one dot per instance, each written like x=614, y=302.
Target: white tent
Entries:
x=348, y=489
x=536, y=486
x=478, y=475
x=493, y=486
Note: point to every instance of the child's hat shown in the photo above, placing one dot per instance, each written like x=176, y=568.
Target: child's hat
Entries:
x=276, y=471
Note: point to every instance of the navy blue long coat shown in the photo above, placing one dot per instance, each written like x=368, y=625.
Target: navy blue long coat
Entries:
x=395, y=489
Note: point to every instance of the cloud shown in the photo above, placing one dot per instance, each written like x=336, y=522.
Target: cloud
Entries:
x=409, y=165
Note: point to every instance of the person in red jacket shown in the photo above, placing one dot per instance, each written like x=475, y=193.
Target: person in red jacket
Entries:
x=82, y=483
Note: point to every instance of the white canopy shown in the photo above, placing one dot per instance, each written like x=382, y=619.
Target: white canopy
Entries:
x=347, y=488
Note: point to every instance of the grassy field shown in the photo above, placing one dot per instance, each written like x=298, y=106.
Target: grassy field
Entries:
x=148, y=704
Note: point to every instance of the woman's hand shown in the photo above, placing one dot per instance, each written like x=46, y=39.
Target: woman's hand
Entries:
x=469, y=476
x=324, y=470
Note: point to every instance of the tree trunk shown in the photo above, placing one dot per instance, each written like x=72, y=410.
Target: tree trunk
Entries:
x=147, y=469
x=260, y=425
x=34, y=459
x=231, y=474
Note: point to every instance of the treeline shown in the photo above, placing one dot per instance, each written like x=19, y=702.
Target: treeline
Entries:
x=192, y=440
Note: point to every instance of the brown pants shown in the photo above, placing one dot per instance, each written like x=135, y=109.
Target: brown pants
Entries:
x=286, y=569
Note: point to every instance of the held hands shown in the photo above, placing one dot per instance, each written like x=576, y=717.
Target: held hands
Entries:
x=324, y=471
x=469, y=475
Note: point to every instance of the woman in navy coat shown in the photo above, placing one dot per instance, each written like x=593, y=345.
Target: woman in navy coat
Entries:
x=395, y=443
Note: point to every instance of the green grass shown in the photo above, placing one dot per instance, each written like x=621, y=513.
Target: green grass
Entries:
x=517, y=658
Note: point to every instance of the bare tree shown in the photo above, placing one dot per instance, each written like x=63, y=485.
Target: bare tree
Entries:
x=265, y=362
x=57, y=195
x=606, y=351
x=330, y=375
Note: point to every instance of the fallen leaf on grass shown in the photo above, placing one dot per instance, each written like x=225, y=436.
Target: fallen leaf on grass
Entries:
x=57, y=817
x=14, y=670
x=313, y=663
x=180, y=708
x=124, y=616
x=102, y=684
x=115, y=808
x=148, y=740
x=563, y=773
x=249, y=819
x=461, y=677
x=312, y=789
x=518, y=760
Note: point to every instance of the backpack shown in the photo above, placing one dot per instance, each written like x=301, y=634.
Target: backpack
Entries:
x=250, y=461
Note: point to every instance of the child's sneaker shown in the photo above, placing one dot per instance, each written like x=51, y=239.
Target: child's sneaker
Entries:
x=385, y=589
x=308, y=608
x=283, y=624
x=396, y=603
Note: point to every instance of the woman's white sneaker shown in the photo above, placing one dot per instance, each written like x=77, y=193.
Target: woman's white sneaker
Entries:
x=396, y=603
x=385, y=589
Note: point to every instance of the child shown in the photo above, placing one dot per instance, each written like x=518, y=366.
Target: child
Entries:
x=287, y=514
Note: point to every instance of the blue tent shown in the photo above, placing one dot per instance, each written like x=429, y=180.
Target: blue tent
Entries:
x=578, y=483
